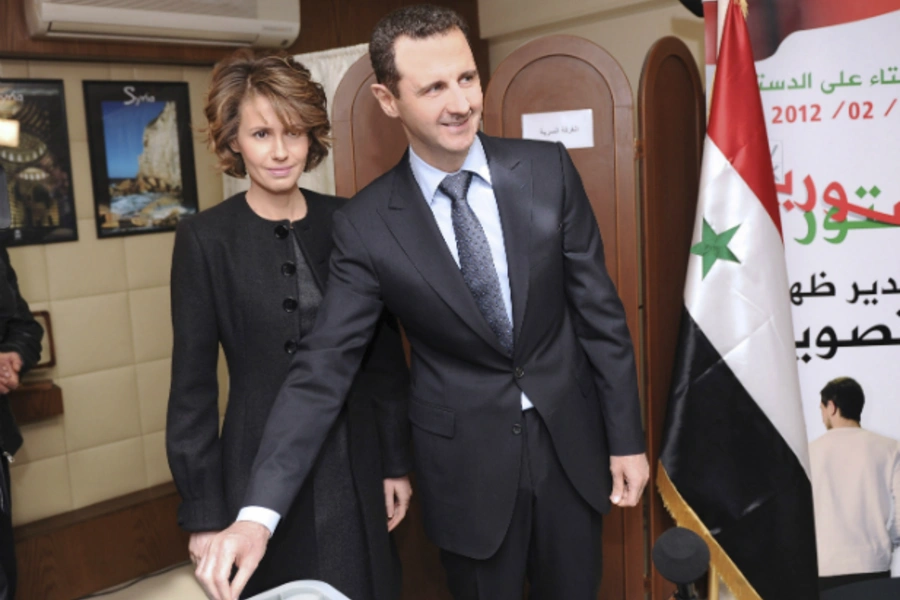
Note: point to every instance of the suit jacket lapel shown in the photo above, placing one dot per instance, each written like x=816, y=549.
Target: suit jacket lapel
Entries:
x=412, y=224
x=512, y=182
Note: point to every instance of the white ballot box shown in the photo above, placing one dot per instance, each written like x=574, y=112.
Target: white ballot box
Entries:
x=302, y=590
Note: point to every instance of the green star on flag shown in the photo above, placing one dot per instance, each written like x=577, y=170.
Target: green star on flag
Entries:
x=714, y=246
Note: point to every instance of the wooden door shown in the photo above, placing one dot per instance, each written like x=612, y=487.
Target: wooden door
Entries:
x=367, y=143
x=672, y=124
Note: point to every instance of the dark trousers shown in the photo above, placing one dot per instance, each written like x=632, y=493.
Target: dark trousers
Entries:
x=7, y=544
x=826, y=583
x=554, y=538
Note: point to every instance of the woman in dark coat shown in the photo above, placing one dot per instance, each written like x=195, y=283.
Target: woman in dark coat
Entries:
x=248, y=274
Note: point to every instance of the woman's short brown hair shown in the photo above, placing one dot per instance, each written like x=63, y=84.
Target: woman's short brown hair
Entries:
x=295, y=97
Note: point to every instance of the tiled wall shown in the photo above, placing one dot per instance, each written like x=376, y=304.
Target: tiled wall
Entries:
x=109, y=304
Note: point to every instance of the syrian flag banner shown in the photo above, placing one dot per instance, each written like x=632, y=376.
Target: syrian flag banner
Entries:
x=734, y=465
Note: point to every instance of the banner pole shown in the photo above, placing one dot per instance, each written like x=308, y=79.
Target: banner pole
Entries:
x=713, y=583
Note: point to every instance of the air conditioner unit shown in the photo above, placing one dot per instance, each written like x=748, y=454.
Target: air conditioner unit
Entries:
x=266, y=23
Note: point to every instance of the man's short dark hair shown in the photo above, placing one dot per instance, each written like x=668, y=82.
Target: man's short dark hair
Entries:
x=417, y=22
x=847, y=395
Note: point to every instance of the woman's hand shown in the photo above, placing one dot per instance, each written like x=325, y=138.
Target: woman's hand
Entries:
x=397, y=494
x=199, y=544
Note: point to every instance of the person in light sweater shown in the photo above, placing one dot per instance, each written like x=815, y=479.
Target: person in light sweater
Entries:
x=856, y=491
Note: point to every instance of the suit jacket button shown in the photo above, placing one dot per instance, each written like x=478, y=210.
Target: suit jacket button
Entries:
x=281, y=232
x=288, y=269
x=517, y=429
x=519, y=372
x=290, y=346
x=289, y=304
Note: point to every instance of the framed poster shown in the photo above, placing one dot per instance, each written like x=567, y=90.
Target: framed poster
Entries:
x=142, y=155
x=38, y=169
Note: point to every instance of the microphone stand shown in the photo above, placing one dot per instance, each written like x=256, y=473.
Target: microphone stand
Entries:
x=686, y=591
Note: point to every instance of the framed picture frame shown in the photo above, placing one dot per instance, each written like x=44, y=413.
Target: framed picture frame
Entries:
x=142, y=155
x=48, y=348
x=38, y=170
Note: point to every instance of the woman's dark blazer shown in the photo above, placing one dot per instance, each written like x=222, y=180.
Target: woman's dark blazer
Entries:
x=231, y=285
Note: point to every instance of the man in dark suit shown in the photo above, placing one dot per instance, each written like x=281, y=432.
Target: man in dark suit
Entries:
x=523, y=399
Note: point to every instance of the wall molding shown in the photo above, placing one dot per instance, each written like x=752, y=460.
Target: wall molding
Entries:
x=90, y=549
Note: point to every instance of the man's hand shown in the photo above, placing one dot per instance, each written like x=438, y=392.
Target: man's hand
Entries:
x=243, y=544
x=10, y=365
x=397, y=493
x=630, y=475
x=199, y=544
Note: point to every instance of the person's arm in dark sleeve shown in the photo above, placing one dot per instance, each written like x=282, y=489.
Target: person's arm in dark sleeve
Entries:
x=23, y=333
x=385, y=379
x=602, y=330
x=599, y=317
x=193, y=446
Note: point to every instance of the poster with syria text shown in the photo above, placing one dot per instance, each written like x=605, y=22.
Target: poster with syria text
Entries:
x=829, y=78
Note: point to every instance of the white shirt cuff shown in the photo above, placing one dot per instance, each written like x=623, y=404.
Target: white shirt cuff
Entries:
x=259, y=514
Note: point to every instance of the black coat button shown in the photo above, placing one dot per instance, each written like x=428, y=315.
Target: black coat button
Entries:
x=288, y=269
x=517, y=429
x=519, y=373
x=281, y=232
x=290, y=346
x=289, y=304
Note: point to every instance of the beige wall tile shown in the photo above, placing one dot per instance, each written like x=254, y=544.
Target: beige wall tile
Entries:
x=153, y=393
x=198, y=79
x=148, y=259
x=106, y=472
x=88, y=267
x=155, y=455
x=44, y=439
x=13, y=69
x=92, y=334
x=83, y=187
x=35, y=306
x=101, y=408
x=30, y=263
x=121, y=72
x=209, y=178
x=151, y=323
x=40, y=489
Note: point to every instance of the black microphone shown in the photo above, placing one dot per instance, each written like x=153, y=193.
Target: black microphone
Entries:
x=682, y=557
